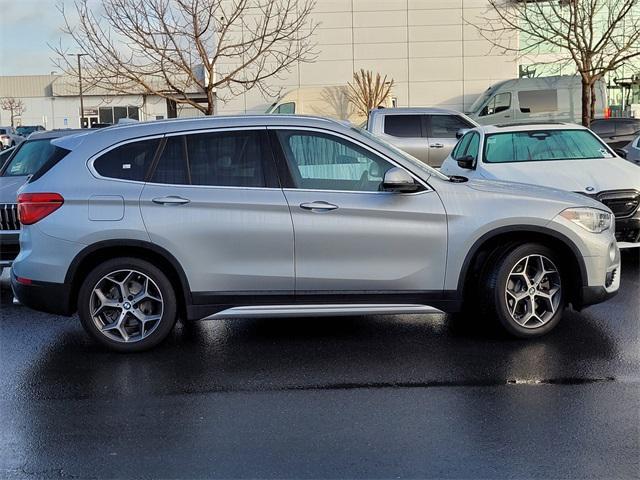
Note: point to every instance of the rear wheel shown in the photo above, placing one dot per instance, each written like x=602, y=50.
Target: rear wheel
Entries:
x=127, y=304
x=524, y=290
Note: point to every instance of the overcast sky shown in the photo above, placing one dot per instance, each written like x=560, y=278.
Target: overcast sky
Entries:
x=26, y=27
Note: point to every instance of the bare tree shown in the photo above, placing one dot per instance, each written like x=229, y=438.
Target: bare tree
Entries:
x=14, y=106
x=597, y=36
x=368, y=92
x=188, y=51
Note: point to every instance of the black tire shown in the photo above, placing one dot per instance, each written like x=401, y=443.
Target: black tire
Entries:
x=167, y=292
x=493, y=296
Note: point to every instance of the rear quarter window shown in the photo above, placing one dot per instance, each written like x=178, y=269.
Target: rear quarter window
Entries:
x=130, y=161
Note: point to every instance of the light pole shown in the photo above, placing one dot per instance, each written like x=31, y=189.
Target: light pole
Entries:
x=78, y=55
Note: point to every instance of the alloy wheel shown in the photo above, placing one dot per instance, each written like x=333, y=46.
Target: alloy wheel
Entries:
x=533, y=291
x=126, y=306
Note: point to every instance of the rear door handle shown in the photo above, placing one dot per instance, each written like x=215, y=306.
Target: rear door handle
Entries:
x=318, y=206
x=436, y=145
x=171, y=200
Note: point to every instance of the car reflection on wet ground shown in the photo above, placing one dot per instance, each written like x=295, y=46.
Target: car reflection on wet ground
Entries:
x=391, y=396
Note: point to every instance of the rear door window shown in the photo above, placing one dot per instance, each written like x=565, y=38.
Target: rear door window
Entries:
x=404, y=126
x=224, y=159
x=130, y=161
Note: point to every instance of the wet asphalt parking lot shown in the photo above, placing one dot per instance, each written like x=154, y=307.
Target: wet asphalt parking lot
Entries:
x=366, y=397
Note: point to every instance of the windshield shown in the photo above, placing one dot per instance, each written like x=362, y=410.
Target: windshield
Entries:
x=413, y=160
x=543, y=145
x=475, y=106
x=24, y=131
x=29, y=157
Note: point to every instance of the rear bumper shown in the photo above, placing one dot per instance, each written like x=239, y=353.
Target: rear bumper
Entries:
x=9, y=247
x=44, y=296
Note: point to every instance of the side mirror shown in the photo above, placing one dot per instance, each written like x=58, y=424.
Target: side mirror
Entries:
x=460, y=133
x=620, y=152
x=398, y=181
x=466, y=162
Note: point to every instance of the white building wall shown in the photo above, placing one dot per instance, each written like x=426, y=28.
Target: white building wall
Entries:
x=428, y=47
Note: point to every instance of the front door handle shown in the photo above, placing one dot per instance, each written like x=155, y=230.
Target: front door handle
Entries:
x=170, y=200
x=318, y=206
x=436, y=145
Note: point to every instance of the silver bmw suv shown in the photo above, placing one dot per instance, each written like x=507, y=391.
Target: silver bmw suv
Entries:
x=135, y=226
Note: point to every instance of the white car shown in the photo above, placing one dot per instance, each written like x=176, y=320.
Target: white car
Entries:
x=9, y=138
x=557, y=155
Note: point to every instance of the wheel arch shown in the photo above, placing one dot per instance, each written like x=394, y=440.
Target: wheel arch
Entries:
x=99, y=252
x=506, y=237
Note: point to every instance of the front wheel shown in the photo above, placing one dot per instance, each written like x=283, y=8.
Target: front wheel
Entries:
x=127, y=304
x=524, y=290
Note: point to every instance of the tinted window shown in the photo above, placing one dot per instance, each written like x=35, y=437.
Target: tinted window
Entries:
x=31, y=156
x=3, y=131
x=627, y=128
x=172, y=165
x=324, y=162
x=446, y=126
x=130, y=161
x=543, y=145
x=409, y=126
x=535, y=101
x=603, y=128
x=232, y=159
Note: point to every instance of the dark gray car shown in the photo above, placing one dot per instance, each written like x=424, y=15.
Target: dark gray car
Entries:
x=25, y=160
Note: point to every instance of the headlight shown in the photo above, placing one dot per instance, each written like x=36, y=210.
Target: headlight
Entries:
x=591, y=219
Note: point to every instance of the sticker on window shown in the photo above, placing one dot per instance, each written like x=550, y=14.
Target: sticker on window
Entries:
x=126, y=166
x=605, y=153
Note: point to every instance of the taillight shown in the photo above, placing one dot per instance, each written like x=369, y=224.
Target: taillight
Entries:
x=33, y=207
x=607, y=112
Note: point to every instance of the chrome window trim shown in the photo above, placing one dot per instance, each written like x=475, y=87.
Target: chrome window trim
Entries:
x=362, y=145
x=94, y=157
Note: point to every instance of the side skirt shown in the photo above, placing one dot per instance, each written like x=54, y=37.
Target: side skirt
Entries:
x=208, y=305
x=286, y=311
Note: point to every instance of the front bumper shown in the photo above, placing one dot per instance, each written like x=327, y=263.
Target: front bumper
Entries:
x=628, y=231
x=43, y=296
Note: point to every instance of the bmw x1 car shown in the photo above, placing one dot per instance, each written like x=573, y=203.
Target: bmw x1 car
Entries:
x=265, y=216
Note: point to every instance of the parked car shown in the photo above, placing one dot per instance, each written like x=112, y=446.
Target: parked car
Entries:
x=263, y=216
x=26, y=130
x=632, y=151
x=29, y=156
x=617, y=132
x=557, y=98
x=429, y=134
x=565, y=156
x=9, y=138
